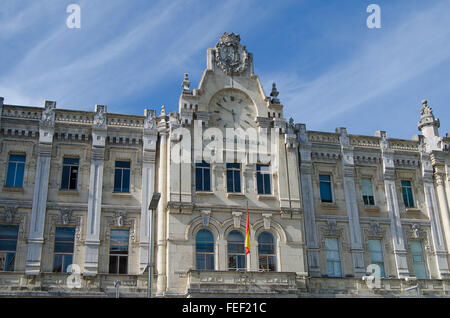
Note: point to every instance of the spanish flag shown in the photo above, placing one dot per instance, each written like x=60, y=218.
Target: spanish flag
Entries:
x=247, y=235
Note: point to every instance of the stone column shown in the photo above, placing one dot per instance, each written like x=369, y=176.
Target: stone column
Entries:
x=306, y=170
x=99, y=133
x=392, y=206
x=443, y=204
x=433, y=212
x=348, y=174
x=149, y=137
x=161, y=211
x=39, y=207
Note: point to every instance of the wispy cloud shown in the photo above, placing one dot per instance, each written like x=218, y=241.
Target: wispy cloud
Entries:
x=416, y=45
x=144, y=45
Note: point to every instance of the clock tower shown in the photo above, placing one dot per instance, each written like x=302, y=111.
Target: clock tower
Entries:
x=207, y=199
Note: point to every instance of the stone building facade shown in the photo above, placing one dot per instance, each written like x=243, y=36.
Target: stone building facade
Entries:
x=328, y=213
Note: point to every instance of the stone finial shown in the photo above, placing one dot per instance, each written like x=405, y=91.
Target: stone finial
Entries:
x=274, y=94
x=48, y=115
x=426, y=117
x=163, y=110
x=186, y=83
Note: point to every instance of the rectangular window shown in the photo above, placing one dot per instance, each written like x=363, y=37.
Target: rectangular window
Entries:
x=122, y=176
x=376, y=255
x=367, y=191
x=234, y=177
x=118, y=252
x=420, y=270
x=8, y=245
x=63, y=252
x=325, y=188
x=69, y=174
x=263, y=177
x=16, y=170
x=202, y=176
x=407, y=193
x=333, y=258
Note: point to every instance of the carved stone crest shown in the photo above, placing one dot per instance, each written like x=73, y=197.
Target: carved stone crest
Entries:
x=231, y=55
x=48, y=115
x=100, y=116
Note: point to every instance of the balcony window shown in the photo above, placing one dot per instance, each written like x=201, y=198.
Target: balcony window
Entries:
x=118, y=251
x=266, y=252
x=204, y=248
x=236, y=251
x=8, y=245
x=63, y=251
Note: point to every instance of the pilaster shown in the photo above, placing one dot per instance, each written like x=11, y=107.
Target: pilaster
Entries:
x=398, y=242
x=39, y=206
x=149, y=139
x=312, y=245
x=161, y=211
x=99, y=133
x=348, y=174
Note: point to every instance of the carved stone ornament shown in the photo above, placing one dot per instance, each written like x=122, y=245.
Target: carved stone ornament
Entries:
x=10, y=213
x=375, y=229
x=416, y=231
x=66, y=214
x=100, y=116
x=150, y=119
x=48, y=115
x=231, y=55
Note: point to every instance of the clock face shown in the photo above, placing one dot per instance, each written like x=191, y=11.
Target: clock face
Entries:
x=232, y=108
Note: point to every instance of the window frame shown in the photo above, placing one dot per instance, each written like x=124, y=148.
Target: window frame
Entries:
x=70, y=166
x=411, y=203
x=267, y=256
x=334, y=261
x=372, y=191
x=424, y=262
x=119, y=256
x=9, y=253
x=236, y=175
x=210, y=254
x=63, y=255
x=16, y=163
x=264, y=176
x=379, y=263
x=330, y=183
x=237, y=255
x=122, y=170
x=205, y=168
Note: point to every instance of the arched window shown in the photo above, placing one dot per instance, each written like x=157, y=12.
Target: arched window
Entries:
x=266, y=252
x=236, y=251
x=204, y=250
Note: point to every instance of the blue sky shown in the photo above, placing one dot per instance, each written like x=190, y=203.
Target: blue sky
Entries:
x=330, y=68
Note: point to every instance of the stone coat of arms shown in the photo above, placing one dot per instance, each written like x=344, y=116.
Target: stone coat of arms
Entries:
x=231, y=55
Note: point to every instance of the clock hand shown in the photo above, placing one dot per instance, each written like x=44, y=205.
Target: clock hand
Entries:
x=224, y=108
